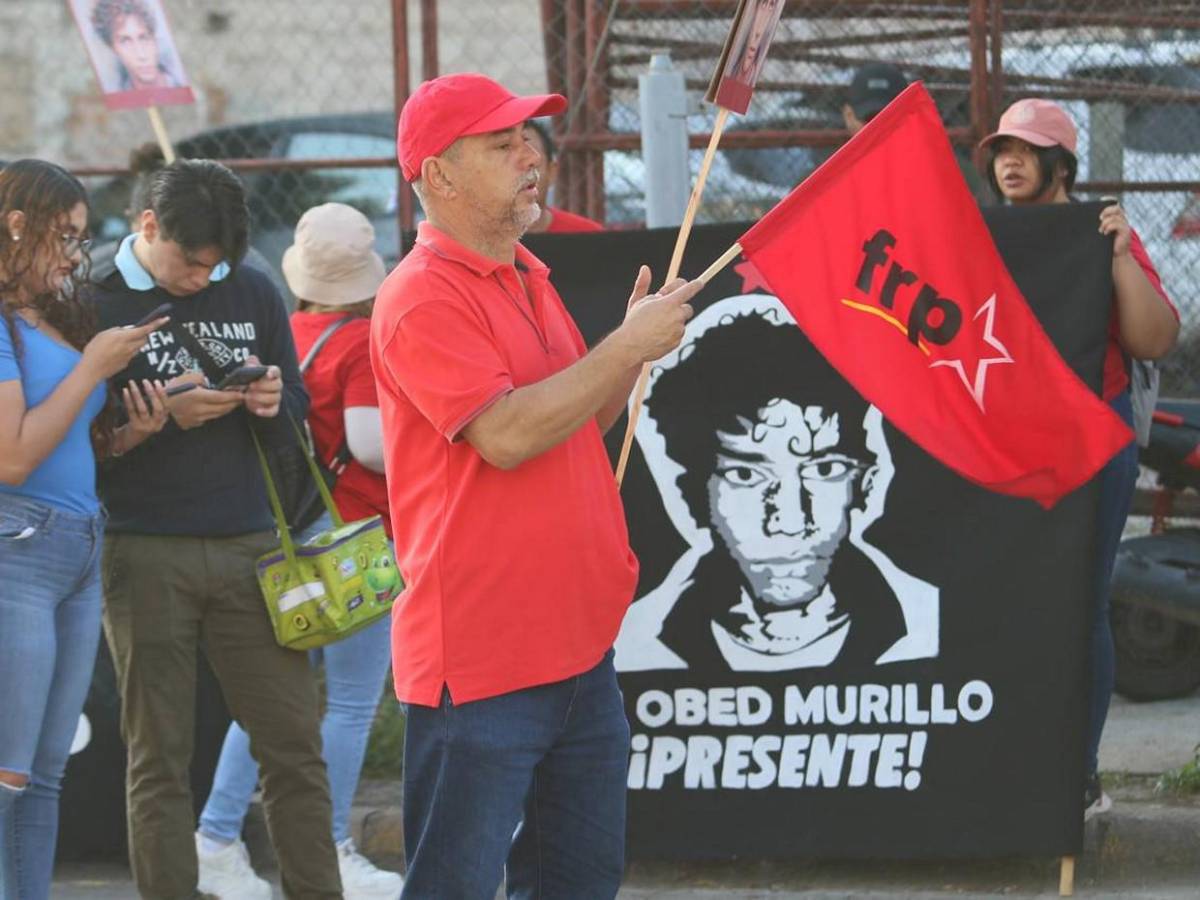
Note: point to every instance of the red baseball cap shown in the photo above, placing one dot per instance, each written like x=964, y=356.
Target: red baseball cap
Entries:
x=444, y=109
x=1042, y=123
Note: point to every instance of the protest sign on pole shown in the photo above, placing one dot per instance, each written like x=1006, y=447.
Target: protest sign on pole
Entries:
x=745, y=52
x=133, y=54
x=730, y=90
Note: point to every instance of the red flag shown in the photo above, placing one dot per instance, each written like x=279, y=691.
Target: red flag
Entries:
x=884, y=260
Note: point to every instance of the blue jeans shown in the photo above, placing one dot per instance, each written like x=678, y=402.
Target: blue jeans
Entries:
x=535, y=778
x=355, y=670
x=1117, y=481
x=49, y=630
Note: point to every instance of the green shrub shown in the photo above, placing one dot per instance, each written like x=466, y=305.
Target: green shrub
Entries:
x=1184, y=780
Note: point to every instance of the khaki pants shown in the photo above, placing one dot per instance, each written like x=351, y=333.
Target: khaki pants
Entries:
x=164, y=596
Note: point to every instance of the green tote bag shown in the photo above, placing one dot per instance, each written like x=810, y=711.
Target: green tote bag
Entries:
x=337, y=583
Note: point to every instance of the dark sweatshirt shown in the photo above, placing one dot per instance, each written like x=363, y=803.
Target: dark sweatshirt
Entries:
x=205, y=481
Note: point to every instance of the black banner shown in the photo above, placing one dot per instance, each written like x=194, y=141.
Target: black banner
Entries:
x=839, y=648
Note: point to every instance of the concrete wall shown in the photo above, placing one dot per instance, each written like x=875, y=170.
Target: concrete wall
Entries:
x=247, y=60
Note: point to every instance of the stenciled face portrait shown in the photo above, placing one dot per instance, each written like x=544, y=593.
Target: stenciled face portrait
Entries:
x=771, y=467
x=780, y=499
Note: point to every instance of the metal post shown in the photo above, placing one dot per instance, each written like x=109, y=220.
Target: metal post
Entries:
x=981, y=100
x=429, y=39
x=1106, y=141
x=595, y=99
x=662, y=100
x=400, y=91
x=573, y=164
x=996, y=42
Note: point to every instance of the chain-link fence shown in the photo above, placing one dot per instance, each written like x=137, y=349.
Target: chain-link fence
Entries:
x=1130, y=78
x=795, y=120
x=302, y=93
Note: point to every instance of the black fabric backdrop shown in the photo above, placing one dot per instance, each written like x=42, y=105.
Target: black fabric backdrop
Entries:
x=1012, y=586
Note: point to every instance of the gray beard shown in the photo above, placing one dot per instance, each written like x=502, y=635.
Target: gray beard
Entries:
x=529, y=219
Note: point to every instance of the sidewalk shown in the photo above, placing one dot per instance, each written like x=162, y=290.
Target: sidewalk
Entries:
x=1147, y=848
x=1144, y=848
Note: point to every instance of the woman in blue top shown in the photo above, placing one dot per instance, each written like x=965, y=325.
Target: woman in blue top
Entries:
x=53, y=373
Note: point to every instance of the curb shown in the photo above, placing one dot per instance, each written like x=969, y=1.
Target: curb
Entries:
x=1143, y=841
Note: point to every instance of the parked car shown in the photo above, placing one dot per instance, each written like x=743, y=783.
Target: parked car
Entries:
x=277, y=199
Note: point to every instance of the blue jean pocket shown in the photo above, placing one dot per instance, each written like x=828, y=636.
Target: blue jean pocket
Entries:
x=18, y=525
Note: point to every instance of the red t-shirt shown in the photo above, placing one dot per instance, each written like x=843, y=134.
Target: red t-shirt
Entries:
x=1116, y=378
x=514, y=578
x=340, y=377
x=562, y=221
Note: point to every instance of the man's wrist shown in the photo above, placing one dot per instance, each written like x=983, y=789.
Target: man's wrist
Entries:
x=625, y=355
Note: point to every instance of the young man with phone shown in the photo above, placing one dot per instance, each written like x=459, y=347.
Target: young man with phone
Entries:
x=188, y=518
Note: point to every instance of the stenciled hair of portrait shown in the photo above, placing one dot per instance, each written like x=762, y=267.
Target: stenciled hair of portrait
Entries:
x=45, y=193
x=730, y=375
x=200, y=203
x=107, y=14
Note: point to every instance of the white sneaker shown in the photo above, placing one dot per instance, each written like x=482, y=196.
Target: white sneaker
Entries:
x=1095, y=801
x=227, y=874
x=361, y=880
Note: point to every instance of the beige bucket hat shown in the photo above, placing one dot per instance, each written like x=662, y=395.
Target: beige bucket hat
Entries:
x=332, y=260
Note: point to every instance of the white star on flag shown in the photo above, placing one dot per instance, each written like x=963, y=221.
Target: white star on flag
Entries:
x=976, y=387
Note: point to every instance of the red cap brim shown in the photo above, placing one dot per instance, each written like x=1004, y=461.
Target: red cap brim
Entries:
x=516, y=110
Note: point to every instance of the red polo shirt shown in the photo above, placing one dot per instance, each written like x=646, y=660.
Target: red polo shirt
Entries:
x=514, y=578
x=562, y=221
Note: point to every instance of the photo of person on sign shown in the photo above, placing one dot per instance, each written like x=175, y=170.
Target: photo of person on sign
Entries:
x=746, y=51
x=132, y=52
x=757, y=28
x=771, y=472
x=128, y=28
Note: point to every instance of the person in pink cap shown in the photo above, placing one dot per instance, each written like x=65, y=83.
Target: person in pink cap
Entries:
x=1031, y=160
x=508, y=525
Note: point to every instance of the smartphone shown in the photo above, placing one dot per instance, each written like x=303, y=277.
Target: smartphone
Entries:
x=172, y=391
x=157, y=313
x=242, y=376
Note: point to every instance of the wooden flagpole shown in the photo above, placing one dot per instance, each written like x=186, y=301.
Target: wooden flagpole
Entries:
x=721, y=262
x=160, y=134
x=1066, y=877
x=685, y=230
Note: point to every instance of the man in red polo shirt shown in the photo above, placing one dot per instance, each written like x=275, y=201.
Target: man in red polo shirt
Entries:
x=508, y=526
